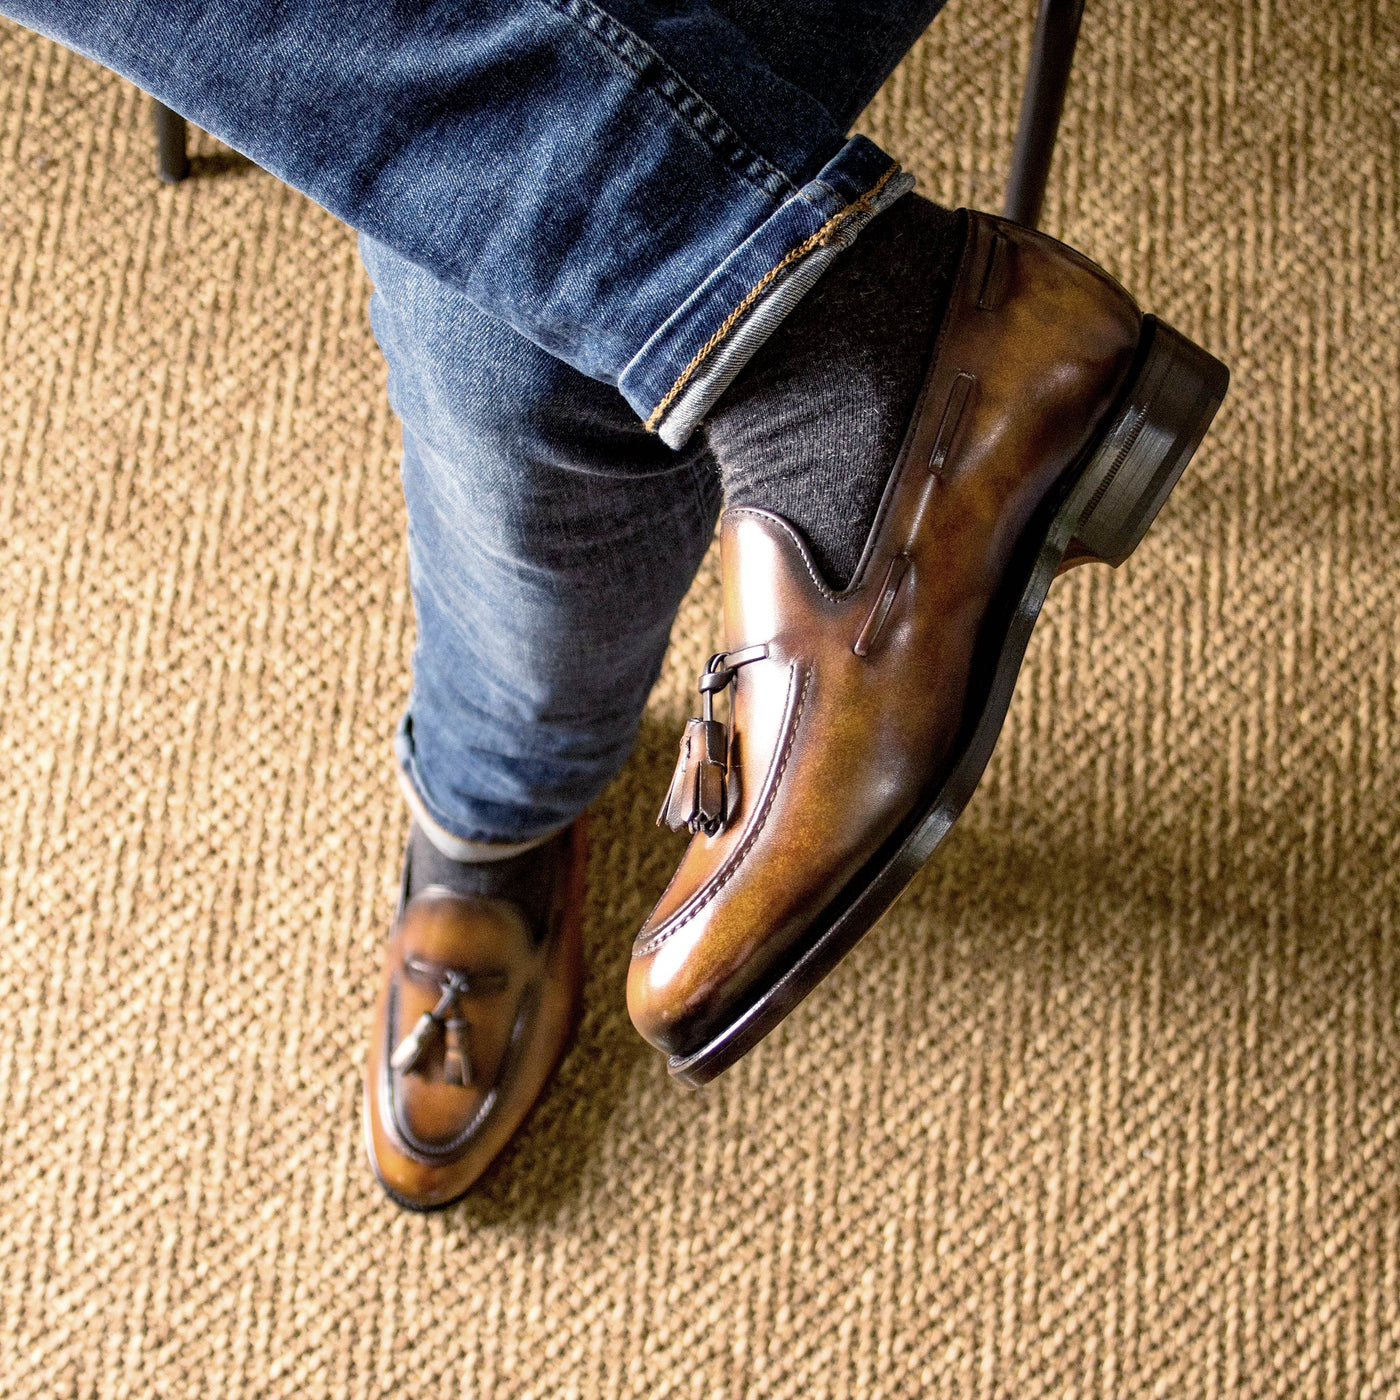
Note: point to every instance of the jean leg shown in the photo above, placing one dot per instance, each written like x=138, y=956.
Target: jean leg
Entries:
x=837, y=52
x=628, y=186
x=551, y=540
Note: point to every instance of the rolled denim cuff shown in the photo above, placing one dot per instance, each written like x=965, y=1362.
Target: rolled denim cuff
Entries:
x=681, y=371
x=453, y=847
x=477, y=847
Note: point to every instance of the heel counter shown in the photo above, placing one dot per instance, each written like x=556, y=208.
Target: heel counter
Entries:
x=1051, y=286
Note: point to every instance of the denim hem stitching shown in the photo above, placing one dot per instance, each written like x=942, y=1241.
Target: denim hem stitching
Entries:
x=682, y=99
x=821, y=237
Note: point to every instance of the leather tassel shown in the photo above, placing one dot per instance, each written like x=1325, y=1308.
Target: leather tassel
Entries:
x=674, y=812
x=697, y=788
x=731, y=778
x=456, y=1066
x=696, y=796
x=414, y=1046
x=710, y=774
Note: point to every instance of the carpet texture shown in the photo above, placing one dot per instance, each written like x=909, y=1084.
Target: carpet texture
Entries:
x=1107, y=1106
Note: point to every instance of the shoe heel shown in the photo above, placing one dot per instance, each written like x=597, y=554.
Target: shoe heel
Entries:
x=1169, y=404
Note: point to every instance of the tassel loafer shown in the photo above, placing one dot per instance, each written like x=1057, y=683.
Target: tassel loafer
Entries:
x=1053, y=422
x=477, y=1002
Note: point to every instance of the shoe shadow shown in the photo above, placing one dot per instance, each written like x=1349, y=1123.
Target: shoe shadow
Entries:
x=630, y=861
x=1018, y=887
x=218, y=163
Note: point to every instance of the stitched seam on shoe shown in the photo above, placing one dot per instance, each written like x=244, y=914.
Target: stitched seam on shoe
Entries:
x=684, y=915
x=821, y=237
x=797, y=540
x=687, y=104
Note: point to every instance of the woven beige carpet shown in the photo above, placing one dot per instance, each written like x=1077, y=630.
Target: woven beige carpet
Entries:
x=1109, y=1105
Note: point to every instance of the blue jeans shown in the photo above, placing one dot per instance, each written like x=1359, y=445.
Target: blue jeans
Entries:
x=580, y=224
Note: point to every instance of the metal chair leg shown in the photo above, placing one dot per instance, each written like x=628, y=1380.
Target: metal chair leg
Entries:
x=1052, y=54
x=172, y=162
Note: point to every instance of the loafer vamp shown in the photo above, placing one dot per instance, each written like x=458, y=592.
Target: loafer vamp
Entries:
x=488, y=941
x=831, y=752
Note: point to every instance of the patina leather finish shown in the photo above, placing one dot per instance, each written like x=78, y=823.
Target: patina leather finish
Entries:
x=850, y=717
x=514, y=1001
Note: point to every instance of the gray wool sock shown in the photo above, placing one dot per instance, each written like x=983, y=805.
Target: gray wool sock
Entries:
x=812, y=426
x=527, y=880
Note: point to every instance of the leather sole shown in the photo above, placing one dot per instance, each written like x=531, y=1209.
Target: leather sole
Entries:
x=1103, y=507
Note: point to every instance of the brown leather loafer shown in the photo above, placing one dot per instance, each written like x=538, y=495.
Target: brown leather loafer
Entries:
x=1053, y=423
x=478, y=999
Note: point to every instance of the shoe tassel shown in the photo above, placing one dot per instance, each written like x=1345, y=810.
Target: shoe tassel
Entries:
x=456, y=1064
x=696, y=796
x=703, y=791
x=413, y=1049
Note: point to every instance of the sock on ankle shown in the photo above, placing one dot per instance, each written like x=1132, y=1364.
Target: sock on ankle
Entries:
x=527, y=879
x=811, y=427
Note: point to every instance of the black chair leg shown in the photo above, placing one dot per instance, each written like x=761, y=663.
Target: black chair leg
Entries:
x=1052, y=54
x=172, y=162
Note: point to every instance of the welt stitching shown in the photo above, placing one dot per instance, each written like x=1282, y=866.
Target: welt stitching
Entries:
x=684, y=916
x=820, y=238
x=1134, y=433
x=682, y=99
x=796, y=539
